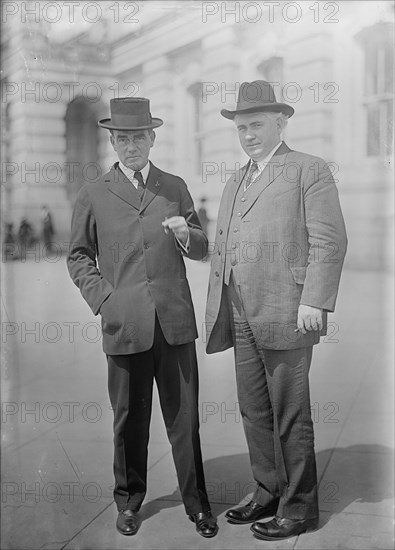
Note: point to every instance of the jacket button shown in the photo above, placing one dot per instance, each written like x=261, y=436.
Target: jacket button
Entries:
x=239, y=214
x=141, y=216
x=233, y=261
x=235, y=229
x=149, y=280
x=220, y=231
x=243, y=199
x=219, y=253
x=216, y=274
x=233, y=246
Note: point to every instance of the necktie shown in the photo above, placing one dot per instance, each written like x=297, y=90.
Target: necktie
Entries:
x=252, y=174
x=140, y=188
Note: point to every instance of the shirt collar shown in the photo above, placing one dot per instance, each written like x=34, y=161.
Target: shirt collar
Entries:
x=129, y=173
x=262, y=163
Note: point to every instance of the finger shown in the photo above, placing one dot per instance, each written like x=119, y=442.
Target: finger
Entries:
x=178, y=227
x=176, y=223
x=179, y=230
x=166, y=222
x=320, y=323
x=313, y=321
x=173, y=219
x=301, y=325
x=307, y=322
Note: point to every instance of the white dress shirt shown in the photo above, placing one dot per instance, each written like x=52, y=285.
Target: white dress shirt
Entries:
x=129, y=173
x=262, y=164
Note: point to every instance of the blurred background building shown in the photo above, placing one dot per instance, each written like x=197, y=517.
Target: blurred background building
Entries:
x=332, y=61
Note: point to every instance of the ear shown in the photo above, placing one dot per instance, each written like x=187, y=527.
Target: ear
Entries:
x=112, y=141
x=281, y=123
x=152, y=136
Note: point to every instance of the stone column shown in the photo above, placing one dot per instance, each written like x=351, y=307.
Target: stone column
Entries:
x=308, y=74
x=221, y=150
x=157, y=82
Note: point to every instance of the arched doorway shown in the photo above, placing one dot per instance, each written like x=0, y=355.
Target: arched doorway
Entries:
x=83, y=144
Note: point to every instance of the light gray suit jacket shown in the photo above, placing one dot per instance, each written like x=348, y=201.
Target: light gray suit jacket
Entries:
x=293, y=242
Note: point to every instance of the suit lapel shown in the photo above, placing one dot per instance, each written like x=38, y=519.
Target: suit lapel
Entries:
x=120, y=185
x=272, y=170
x=152, y=188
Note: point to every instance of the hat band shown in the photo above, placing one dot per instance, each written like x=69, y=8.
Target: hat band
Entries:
x=144, y=119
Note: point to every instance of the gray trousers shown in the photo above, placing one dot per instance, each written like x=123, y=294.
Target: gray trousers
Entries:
x=274, y=401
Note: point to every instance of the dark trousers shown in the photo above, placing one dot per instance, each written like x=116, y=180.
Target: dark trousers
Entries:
x=274, y=400
x=130, y=384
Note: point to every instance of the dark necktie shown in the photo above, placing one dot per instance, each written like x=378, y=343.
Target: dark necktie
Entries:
x=252, y=174
x=140, y=188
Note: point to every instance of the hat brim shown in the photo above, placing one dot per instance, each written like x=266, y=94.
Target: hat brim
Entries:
x=268, y=107
x=106, y=123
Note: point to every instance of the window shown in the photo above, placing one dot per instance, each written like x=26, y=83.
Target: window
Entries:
x=378, y=88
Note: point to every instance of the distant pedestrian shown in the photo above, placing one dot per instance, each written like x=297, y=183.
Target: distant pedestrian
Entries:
x=25, y=236
x=9, y=243
x=47, y=227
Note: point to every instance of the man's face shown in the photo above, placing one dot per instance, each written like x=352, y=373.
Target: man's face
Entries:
x=133, y=147
x=258, y=134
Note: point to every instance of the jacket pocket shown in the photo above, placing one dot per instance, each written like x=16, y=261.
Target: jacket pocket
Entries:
x=110, y=311
x=299, y=274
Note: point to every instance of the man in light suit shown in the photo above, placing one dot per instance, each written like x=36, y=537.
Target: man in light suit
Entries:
x=130, y=231
x=275, y=271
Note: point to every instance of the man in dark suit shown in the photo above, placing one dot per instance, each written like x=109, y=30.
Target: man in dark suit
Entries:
x=279, y=250
x=130, y=231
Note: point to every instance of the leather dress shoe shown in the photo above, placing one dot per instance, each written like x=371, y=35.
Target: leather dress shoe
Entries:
x=251, y=512
x=127, y=522
x=206, y=524
x=283, y=528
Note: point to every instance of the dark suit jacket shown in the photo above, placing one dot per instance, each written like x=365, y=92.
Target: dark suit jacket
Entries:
x=124, y=264
x=293, y=243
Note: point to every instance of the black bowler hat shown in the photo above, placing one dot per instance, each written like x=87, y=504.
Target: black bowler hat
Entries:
x=257, y=96
x=130, y=113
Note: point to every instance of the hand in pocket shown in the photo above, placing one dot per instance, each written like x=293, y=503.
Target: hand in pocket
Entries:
x=110, y=312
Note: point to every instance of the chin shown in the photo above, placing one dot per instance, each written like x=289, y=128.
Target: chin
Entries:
x=257, y=153
x=133, y=165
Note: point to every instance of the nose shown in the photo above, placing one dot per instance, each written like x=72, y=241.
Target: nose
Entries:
x=249, y=135
x=131, y=146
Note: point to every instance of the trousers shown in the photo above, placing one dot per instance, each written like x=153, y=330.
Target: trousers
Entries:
x=130, y=385
x=274, y=400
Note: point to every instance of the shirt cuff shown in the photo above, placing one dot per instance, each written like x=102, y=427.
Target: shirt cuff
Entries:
x=185, y=247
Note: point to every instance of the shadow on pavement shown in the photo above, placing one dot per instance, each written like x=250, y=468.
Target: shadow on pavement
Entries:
x=358, y=473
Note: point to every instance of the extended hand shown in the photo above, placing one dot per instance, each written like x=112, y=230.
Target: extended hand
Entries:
x=179, y=227
x=309, y=318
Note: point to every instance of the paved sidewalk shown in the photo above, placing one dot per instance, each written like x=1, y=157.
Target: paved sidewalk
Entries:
x=57, y=425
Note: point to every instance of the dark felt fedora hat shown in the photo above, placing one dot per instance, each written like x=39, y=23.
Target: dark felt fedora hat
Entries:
x=257, y=96
x=130, y=113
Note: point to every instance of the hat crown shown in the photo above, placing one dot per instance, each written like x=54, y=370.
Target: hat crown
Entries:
x=255, y=94
x=130, y=113
x=129, y=106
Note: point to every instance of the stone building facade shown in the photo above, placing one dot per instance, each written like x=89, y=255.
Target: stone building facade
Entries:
x=333, y=64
